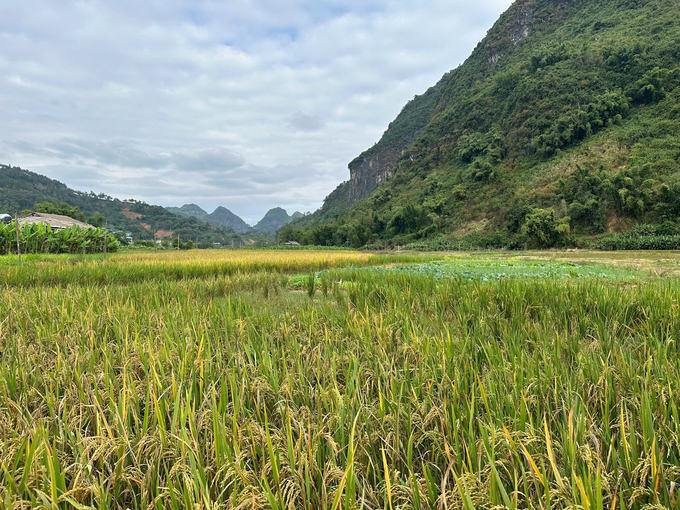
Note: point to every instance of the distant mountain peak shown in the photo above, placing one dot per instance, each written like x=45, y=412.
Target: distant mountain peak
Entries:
x=224, y=216
x=274, y=219
x=220, y=216
x=189, y=210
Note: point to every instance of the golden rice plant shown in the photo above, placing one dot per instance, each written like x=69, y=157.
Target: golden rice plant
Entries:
x=389, y=390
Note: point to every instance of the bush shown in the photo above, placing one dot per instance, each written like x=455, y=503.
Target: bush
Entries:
x=542, y=230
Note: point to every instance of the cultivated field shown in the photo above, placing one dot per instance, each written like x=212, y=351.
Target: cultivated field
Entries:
x=324, y=380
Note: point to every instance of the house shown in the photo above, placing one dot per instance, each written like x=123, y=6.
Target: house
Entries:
x=55, y=221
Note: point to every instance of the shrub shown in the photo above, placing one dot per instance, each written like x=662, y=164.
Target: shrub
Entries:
x=542, y=230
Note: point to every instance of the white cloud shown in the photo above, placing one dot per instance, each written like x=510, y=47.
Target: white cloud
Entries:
x=249, y=104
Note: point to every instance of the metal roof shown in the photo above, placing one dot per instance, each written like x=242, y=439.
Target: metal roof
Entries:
x=55, y=221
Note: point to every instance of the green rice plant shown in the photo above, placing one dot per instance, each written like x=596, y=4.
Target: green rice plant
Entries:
x=310, y=284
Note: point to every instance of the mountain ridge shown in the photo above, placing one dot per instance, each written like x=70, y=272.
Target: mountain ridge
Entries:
x=273, y=219
x=220, y=216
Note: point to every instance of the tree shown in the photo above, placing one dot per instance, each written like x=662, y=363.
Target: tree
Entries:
x=63, y=208
x=542, y=230
x=96, y=220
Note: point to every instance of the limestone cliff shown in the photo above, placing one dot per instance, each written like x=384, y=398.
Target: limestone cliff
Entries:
x=366, y=172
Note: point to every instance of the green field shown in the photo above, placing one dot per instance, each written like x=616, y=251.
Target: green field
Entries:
x=324, y=380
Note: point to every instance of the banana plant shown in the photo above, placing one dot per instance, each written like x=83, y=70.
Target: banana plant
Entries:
x=40, y=238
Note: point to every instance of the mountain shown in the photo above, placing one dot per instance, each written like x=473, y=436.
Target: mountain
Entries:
x=220, y=217
x=22, y=189
x=271, y=222
x=223, y=216
x=188, y=210
x=561, y=125
x=275, y=219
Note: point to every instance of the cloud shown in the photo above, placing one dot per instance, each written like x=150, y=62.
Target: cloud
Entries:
x=208, y=160
x=303, y=122
x=249, y=104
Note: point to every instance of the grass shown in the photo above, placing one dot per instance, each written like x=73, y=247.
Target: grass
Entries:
x=388, y=389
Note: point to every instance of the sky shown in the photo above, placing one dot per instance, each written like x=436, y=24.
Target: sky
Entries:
x=248, y=104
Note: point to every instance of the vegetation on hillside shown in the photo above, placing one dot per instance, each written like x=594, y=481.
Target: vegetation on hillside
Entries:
x=570, y=131
x=23, y=190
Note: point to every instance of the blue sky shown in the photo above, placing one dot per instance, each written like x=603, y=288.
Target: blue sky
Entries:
x=246, y=104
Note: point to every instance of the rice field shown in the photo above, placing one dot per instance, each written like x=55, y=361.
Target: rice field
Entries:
x=309, y=380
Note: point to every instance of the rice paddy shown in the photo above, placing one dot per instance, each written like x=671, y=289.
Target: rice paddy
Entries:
x=310, y=380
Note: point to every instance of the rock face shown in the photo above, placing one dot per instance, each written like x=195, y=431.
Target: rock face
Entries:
x=521, y=28
x=377, y=163
x=366, y=172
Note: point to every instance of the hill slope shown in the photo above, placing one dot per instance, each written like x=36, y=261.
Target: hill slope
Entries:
x=21, y=189
x=567, y=112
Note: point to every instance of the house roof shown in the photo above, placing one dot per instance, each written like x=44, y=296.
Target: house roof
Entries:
x=53, y=220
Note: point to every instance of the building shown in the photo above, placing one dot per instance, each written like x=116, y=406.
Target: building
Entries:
x=55, y=221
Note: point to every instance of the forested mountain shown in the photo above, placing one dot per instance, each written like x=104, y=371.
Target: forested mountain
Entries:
x=188, y=210
x=220, y=216
x=223, y=216
x=563, y=123
x=274, y=219
x=22, y=190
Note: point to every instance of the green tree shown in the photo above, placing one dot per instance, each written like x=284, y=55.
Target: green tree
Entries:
x=60, y=208
x=542, y=230
x=96, y=220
